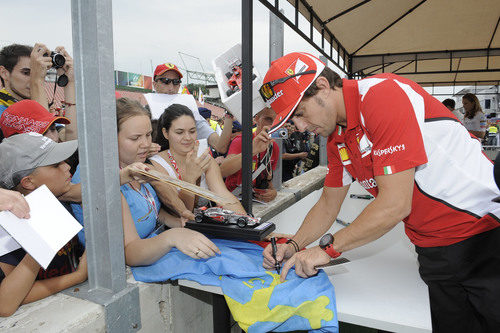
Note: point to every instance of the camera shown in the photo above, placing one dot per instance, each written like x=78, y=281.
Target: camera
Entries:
x=58, y=59
x=281, y=133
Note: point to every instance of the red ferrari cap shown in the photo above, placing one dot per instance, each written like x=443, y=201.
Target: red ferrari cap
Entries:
x=27, y=116
x=160, y=69
x=289, y=93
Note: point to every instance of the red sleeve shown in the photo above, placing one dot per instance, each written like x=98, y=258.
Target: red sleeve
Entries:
x=389, y=113
x=337, y=175
x=235, y=146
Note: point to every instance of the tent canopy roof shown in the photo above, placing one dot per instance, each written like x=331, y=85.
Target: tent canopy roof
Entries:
x=430, y=41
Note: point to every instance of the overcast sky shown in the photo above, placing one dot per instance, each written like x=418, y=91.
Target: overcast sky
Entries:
x=152, y=32
x=147, y=33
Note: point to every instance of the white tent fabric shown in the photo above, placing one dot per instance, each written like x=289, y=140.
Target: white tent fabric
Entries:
x=429, y=41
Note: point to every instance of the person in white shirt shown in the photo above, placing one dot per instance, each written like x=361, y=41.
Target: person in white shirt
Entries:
x=167, y=80
x=474, y=118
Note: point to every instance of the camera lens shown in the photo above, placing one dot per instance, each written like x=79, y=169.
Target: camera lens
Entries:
x=58, y=59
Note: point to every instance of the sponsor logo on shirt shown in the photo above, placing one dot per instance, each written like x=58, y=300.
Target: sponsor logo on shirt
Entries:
x=344, y=156
x=390, y=150
x=368, y=183
x=365, y=145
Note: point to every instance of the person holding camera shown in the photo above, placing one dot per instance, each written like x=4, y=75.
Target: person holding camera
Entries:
x=294, y=151
x=22, y=72
x=265, y=157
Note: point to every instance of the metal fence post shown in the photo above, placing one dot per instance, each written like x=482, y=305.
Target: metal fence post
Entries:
x=323, y=157
x=278, y=172
x=97, y=135
x=276, y=46
x=246, y=100
x=276, y=37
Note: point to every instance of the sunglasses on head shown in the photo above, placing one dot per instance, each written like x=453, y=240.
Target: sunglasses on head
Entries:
x=175, y=82
x=267, y=89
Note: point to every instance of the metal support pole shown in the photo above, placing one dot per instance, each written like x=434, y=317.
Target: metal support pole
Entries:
x=276, y=47
x=246, y=100
x=276, y=37
x=97, y=135
x=323, y=157
x=278, y=172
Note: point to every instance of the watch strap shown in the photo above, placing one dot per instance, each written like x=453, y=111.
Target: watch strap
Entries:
x=331, y=251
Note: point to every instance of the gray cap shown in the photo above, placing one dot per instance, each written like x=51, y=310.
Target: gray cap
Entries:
x=21, y=154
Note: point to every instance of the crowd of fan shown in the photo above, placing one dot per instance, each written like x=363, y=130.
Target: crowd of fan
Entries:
x=38, y=146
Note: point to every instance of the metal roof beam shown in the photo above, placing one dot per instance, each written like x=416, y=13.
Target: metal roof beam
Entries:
x=389, y=26
x=494, y=32
x=345, y=11
x=295, y=28
x=366, y=61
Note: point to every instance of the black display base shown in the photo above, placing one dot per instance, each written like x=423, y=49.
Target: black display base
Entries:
x=232, y=231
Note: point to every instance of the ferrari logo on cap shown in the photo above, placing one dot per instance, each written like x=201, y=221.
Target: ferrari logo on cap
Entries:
x=297, y=67
x=169, y=65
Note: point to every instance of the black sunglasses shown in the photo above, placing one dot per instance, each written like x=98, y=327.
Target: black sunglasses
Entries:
x=175, y=82
x=267, y=89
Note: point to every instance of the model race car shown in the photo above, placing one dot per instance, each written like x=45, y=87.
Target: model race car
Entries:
x=223, y=216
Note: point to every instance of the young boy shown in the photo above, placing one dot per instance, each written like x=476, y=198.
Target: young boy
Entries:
x=261, y=146
x=30, y=160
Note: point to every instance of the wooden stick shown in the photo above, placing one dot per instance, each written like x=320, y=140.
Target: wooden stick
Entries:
x=185, y=186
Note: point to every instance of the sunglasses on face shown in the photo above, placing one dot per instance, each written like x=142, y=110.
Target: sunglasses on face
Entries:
x=267, y=89
x=175, y=82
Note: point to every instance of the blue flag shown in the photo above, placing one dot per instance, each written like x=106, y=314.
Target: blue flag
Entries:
x=258, y=301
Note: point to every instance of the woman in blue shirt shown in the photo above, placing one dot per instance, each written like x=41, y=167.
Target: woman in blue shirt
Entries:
x=140, y=205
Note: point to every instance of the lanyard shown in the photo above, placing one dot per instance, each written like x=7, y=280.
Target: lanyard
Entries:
x=174, y=164
x=149, y=199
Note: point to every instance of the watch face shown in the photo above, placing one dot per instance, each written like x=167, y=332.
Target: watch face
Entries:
x=326, y=240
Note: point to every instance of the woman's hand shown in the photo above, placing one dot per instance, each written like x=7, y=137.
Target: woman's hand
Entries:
x=186, y=215
x=196, y=165
x=129, y=173
x=153, y=149
x=193, y=243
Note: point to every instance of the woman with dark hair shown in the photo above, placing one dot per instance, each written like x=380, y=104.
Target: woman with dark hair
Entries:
x=474, y=118
x=183, y=157
x=141, y=207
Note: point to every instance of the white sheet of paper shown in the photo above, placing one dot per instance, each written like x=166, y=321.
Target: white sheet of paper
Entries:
x=7, y=243
x=48, y=229
x=159, y=102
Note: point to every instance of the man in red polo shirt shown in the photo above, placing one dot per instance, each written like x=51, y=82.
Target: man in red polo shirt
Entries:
x=423, y=167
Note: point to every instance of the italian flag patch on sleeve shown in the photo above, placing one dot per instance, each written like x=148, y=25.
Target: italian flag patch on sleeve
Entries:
x=389, y=170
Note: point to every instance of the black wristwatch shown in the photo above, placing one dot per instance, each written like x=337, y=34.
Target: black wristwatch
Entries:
x=326, y=243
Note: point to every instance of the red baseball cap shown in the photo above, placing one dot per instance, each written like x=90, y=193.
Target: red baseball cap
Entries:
x=160, y=69
x=288, y=94
x=27, y=116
